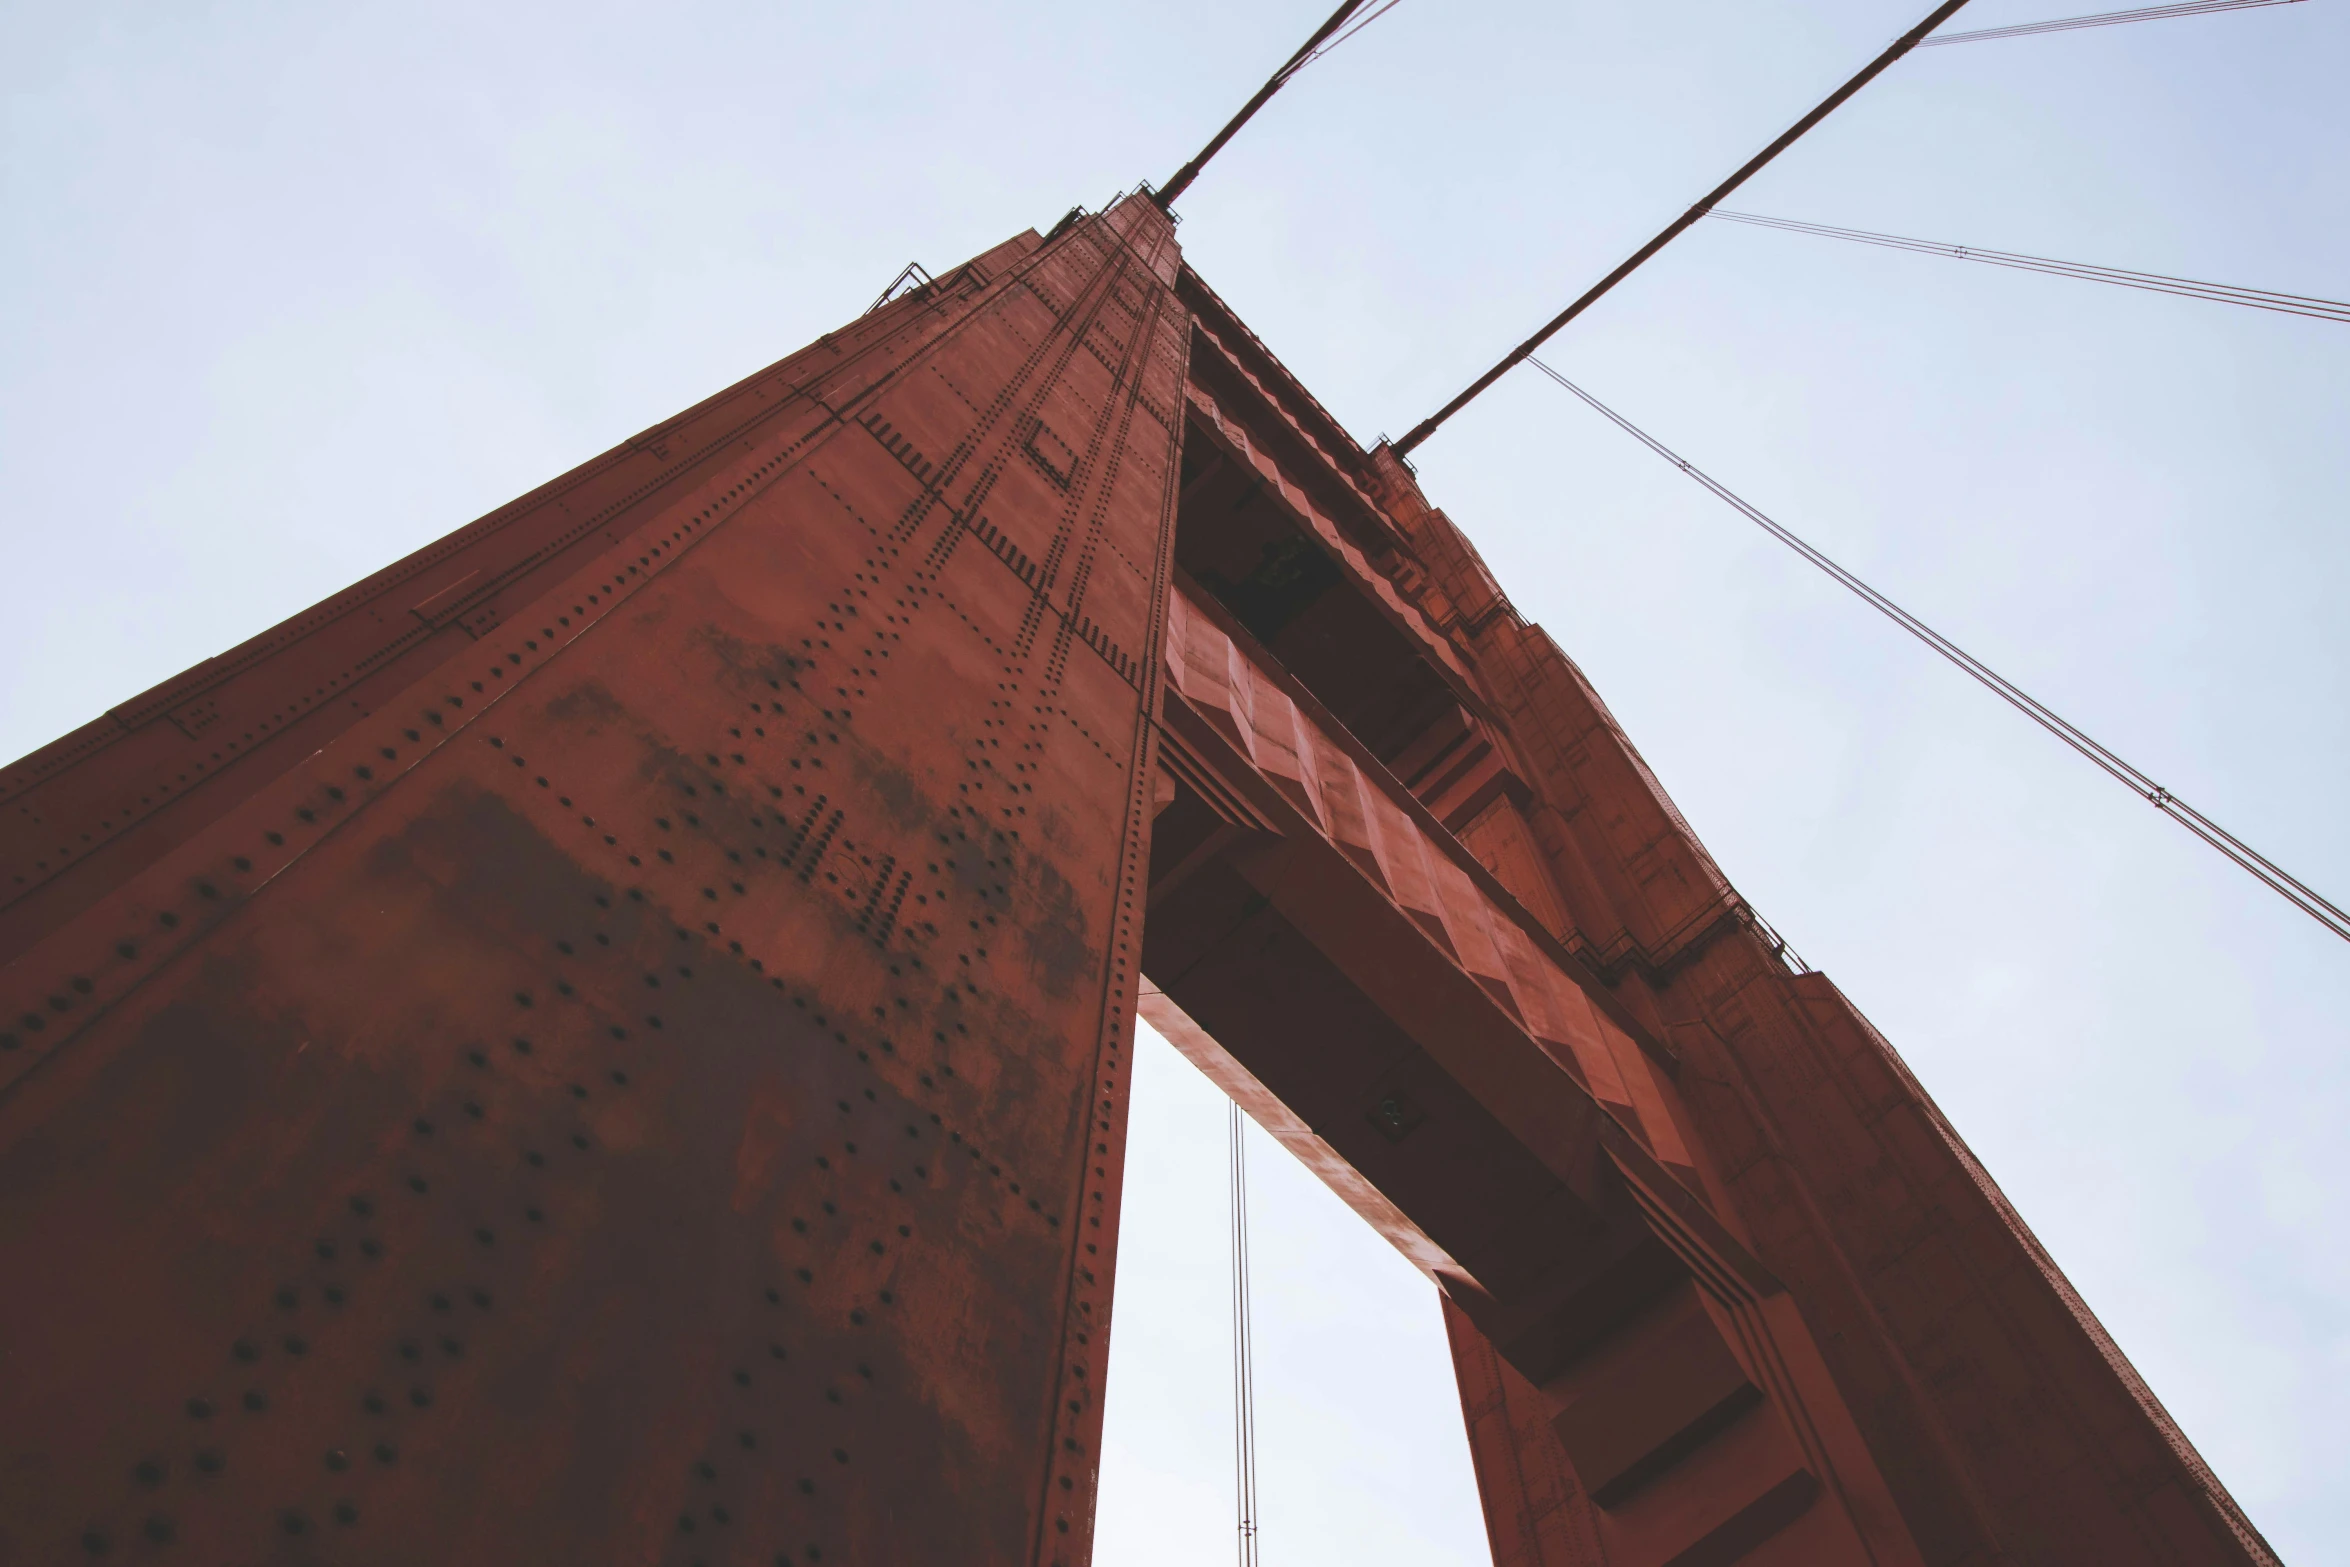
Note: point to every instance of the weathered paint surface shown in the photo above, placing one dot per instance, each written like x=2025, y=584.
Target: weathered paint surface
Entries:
x=607, y=1041
x=1723, y=1284
x=643, y=1080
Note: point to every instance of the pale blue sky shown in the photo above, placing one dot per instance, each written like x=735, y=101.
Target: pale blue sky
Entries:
x=289, y=290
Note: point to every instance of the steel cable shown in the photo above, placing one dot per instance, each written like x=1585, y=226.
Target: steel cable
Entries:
x=1182, y=178
x=1244, y=1379
x=1359, y=23
x=2266, y=871
x=2152, y=13
x=1754, y=165
x=2153, y=282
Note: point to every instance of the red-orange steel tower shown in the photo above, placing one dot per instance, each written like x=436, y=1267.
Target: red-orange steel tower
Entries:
x=607, y=1042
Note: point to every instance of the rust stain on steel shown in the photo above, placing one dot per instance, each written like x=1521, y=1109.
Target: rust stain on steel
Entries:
x=641, y=1087
x=608, y=1041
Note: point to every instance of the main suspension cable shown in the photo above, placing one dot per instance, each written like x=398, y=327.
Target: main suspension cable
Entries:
x=2266, y=871
x=1297, y=62
x=1827, y=106
x=2152, y=13
x=1244, y=1376
x=2154, y=282
x=1359, y=23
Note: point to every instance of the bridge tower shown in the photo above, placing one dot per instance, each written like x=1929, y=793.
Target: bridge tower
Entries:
x=608, y=1041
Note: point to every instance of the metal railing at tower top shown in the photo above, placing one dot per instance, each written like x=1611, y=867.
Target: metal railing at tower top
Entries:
x=911, y=280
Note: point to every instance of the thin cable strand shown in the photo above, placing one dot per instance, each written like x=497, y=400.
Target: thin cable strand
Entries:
x=1183, y=177
x=1754, y=165
x=1244, y=1379
x=1358, y=25
x=2152, y=13
x=2263, y=869
x=2152, y=282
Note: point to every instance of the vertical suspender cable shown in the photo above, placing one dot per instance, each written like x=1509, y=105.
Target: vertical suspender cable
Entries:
x=1244, y=1390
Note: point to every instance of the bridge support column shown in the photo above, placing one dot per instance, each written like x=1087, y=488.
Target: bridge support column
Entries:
x=608, y=1041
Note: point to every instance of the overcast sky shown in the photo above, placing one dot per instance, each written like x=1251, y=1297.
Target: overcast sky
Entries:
x=289, y=290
